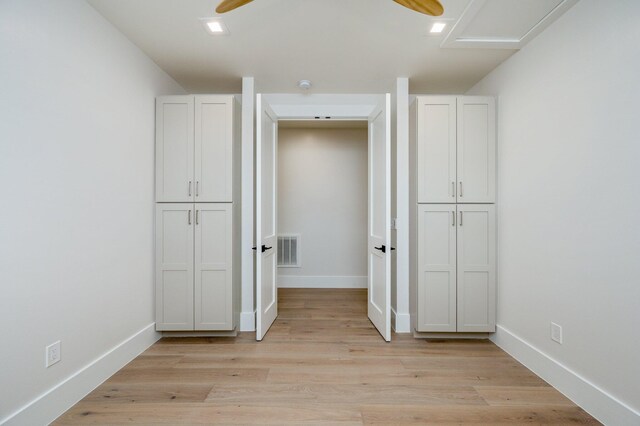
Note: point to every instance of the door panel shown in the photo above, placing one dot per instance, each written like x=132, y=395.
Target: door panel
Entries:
x=436, y=149
x=213, y=267
x=437, y=267
x=379, y=250
x=266, y=217
x=174, y=149
x=476, y=149
x=174, y=266
x=213, y=148
x=476, y=268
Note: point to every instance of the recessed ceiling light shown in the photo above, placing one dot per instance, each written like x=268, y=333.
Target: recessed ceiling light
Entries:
x=438, y=27
x=215, y=26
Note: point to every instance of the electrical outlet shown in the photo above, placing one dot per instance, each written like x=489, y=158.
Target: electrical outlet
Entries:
x=556, y=333
x=52, y=354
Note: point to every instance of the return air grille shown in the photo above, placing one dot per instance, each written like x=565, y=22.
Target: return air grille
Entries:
x=289, y=251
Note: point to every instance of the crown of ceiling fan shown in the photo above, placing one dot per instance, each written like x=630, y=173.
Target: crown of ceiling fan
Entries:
x=428, y=7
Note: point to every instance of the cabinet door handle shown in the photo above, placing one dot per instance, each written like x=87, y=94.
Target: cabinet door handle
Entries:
x=197, y=215
x=189, y=188
x=197, y=186
x=453, y=218
x=461, y=189
x=453, y=189
x=460, y=218
x=189, y=217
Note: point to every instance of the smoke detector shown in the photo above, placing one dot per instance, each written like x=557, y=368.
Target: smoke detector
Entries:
x=304, y=84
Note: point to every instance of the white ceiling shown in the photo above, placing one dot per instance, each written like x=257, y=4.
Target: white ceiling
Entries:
x=343, y=46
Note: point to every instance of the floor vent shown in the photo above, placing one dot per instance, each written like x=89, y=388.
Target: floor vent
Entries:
x=289, y=251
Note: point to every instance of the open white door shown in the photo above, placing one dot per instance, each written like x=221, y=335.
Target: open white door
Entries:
x=266, y=217
x=379, y=252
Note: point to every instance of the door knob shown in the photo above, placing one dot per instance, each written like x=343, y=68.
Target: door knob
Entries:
x=262, y=249
x=382, y=248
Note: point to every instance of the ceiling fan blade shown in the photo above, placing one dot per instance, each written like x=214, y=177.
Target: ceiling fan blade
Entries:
x=428, y=7
x=228, y=5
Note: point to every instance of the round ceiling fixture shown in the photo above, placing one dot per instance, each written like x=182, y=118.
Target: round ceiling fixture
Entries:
x=304, y=84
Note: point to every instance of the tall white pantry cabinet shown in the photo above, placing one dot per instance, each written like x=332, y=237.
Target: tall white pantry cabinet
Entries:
x=197, y=213
x=452, y=215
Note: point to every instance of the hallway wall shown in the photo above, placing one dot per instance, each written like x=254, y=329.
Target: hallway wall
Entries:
x=322, y=184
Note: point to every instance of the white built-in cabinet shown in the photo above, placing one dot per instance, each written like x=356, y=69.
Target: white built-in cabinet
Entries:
x=194, y=148
x=197, y=279
x=456, y=277
x=453, y=219
x=456, y=149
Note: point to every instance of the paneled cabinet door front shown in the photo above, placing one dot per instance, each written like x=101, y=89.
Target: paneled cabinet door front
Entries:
x=476, y=150
x=174, y=266
x=213, y=148
x=436, y=149
x=174, y=149
x=213, y=267
x=476, y=268
x=437, y=267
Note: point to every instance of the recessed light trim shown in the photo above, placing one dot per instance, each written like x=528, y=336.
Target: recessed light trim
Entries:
x=438, y=27
x=215, y=26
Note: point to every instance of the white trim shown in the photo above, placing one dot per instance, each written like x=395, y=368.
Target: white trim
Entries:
x=248, y=321
x=454, y=39
x=400, y=322
x=593, y=399
x=48, y=406
x=293, y=281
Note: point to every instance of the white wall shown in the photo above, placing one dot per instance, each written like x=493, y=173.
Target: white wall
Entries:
x=76, y=178
x=322, y=192
x=569, y=198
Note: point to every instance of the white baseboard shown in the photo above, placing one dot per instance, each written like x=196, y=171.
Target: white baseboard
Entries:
x=593, y=399
x=291, y=281
x=248, y=321
x=51, y=404
x=401, y=323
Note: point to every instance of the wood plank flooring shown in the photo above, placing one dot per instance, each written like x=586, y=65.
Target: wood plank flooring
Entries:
x=323, y=362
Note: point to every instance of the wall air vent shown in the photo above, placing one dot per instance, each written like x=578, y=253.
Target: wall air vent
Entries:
x=289, y=251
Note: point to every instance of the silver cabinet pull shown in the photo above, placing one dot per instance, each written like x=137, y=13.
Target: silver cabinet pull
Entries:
x=453, y=189
x=460, y=188
x=189, y=188
x=189, y=217
x=453, y=218
x=197, y=186
x=197, y=221
x=460, y=218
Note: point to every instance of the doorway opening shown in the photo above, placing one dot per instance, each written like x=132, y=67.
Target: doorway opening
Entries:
x=321, y=193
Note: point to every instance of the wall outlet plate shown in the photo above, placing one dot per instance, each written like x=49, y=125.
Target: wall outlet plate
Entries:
x=52, y=354
x=556, y=333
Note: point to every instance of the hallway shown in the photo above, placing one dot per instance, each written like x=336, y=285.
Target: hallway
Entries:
x=323, y=362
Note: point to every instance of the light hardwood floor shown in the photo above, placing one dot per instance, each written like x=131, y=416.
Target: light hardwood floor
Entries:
x=323, y=362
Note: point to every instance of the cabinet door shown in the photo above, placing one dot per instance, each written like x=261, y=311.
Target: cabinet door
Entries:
x=174, y=149
x=436, y=149
x=213, y=148
x=213, y=267
x=437, y=267
x=174, y=266
x=476, y=149
x=476, y=267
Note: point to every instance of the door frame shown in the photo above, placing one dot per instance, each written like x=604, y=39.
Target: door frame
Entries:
x=327, y=108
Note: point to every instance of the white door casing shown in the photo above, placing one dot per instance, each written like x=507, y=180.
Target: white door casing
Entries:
x=379, y=223
x=266, y=217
